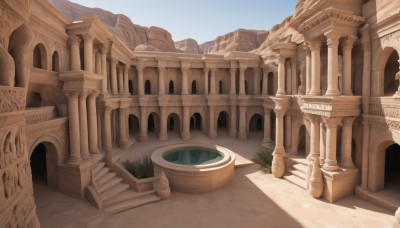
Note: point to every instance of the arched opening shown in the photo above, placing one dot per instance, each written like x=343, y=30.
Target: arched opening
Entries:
x=195, y=122
x=220, y=87
x=270, y=84
x=194, y=88
x=133, y=123
x=147, y=87
x=39, y=57
x=55, y=62
x=153, y=124
x=130, y=86
x=256, y=125
x=391, y=68
x=33, y=100
x=44, y=164
x=301, y=146
x=173, y=123
x=392, y=167
x=222, y=122
x=246, y=88
x=171, y=87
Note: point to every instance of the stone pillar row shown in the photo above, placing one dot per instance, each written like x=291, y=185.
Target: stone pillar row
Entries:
x=83, y=134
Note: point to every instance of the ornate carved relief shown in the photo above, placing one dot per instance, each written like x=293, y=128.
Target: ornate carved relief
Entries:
x=391, y=40
x=12, y=99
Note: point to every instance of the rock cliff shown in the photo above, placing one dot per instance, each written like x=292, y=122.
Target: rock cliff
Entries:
x=188, y=46
x=239, y=40
x=153, y=38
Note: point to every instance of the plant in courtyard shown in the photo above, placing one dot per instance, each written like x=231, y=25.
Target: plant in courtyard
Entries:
x=142, y=168
x=264, y=159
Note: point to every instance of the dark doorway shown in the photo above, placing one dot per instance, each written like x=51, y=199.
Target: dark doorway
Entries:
x=392, y=166
x=38, y=163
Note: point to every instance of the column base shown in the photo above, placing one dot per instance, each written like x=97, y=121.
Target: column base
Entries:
x=242, y=135
x=314, y=93
x=74, y=161
x=347, y=164
x=348, y=93
x=332, y=93
x=75, y=178
x=186, y=136
x=143, y=138
x=126, y=145
x=163, y=137
x=94, y=151
x=212, y=134
x=338, y=185
x=330, y=166
x=233, y=134
x=280, y=93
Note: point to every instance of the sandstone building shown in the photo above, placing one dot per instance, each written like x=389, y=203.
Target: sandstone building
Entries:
x=322, y=88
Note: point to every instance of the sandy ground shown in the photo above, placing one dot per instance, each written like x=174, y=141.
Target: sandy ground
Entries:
x=252, y=199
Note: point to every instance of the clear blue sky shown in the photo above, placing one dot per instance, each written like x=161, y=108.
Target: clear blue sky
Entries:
x=201, y=20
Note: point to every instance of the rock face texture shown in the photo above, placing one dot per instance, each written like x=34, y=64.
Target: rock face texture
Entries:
x=133, y=35
x=239, y=40
x=188, y=46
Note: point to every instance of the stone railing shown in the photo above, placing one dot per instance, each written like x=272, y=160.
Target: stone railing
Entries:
x=385, y=106
x=37, y=115
x=12, y=99
x=332, y=106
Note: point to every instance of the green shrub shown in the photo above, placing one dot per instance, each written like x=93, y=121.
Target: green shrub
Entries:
x=264, y=159
x=142, y=168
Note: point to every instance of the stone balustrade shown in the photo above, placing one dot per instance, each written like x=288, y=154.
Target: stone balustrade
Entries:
x=37, y=115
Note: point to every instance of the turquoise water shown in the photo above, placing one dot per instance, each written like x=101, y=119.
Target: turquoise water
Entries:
x=193, y=156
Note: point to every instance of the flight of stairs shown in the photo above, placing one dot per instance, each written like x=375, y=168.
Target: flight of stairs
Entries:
x=115, y=194
x=296, y=173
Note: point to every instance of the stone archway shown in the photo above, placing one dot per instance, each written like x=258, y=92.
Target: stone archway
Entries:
x=44, y=157
x=173, y=123
x=196, y=122
x=391, y=68
x=256, y=124
x=223, y=122
x=153, y=123
x=40, y=57
x=134, y=127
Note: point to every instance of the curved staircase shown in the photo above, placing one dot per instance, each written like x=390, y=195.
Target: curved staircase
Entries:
x=110, y=191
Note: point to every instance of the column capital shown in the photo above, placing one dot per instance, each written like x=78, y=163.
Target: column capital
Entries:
x=348, y=120
x=281, y=106
x=103, y=50
x=71, y=93
x=349, y=41
x=313, y=118
x=281, y=59
x=233, y=70
x=314, y=45
x=332, y=38
x=114, y=61
x=88, y=37
x=126, y=68
x=331, y=122
x=185, y=64
x=84, y=93
x=74, y=40
x=213, y=70
x=242, y=65
x=94, y=93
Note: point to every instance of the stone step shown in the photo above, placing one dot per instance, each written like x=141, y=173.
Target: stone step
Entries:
x=109, y=184
x=115, y=190
x=300, y=167
x=127, y=195
x=98, y=166
x=298, y=173
x=384, y=202
x=107, y=177
x=103, y=171
x=132, y=203
x=297, y=160
x=296, y=181
x=96, y=158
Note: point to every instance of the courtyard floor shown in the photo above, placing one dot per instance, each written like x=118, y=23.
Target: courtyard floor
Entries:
x=252, y=199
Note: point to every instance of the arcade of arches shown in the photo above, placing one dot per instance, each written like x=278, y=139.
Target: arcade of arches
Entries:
x=324, y=100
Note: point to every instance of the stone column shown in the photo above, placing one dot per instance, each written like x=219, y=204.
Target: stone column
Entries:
x=88, y=51
x=185, y=90
x=206, y=70
x=242, y=122
x=242, y=90
x=233, y=119
x=98, y=61
x=163, y=124
x=83, y=124
x=114, y=85
x=288, y=131
x=123, y=136
x=265, y=82
x=347, y=47
x=140, y=82
x=161, y=86
x=315, y=47
x=267, y=126
x=333, y=43
x=107, y=135
x=212, y=81
x=346, y=147
x=281, y=76
x=120, y=80
x=278, y=163
x=74, y=138
x=315, y=138
x=126, y=79
x=232, y=90
x=256, y=82
x=322, y=144
x=212, y=133
x=308, y=69
x=92, y=117
x=294, y=75
x=288, y=79
x=104, y=86
x=186, y=123
x=143, y=124
x=75, y=41
x=331, y=140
